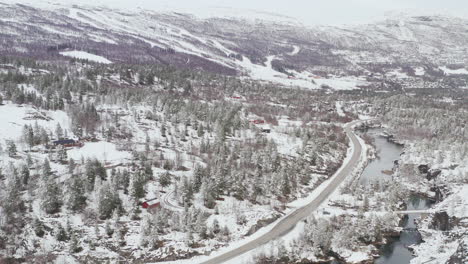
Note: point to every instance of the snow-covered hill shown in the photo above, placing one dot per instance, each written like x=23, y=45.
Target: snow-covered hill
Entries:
x=284, y=52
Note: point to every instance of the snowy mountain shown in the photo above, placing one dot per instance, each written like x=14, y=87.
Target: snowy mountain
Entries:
x=284, y=52
x=137, y=136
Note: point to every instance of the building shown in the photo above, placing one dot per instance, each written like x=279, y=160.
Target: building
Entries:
x=152, y=203
x=258, y=121
x=266, y=129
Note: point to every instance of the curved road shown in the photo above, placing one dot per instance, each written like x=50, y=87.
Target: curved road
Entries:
x=291, y=220
x=166, y=202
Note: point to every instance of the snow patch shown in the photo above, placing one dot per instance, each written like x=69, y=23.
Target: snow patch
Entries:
x=103, y=151
x=85, y=56
x=448, y=71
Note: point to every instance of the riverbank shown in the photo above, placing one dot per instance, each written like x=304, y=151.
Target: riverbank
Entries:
x=441, y=177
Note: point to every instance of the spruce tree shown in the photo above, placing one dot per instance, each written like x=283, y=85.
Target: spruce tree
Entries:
x=25, y=174
x=46, y=170
x=51, y=197
x=109, y=201
x=77, y=193
x=11, y=148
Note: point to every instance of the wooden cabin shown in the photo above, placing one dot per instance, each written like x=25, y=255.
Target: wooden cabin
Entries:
x=258, y=121
x=150, y=204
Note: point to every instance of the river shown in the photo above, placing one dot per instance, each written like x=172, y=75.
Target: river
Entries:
x=395, y=251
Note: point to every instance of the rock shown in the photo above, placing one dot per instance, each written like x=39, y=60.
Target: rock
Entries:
x=440, y=193
x=441, y=221
x=423, y=168
x=262, y=223
x=432, y=174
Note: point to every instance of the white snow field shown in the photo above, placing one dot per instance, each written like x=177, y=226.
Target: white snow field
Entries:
x=448, y=71
x=103, y=151
x=85, y=56
x=13, y=118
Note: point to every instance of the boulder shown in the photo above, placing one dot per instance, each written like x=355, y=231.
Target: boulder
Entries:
x=432, y=174
x=441, y=221
x=440, y=193
x=262, y=223
x=423, y=168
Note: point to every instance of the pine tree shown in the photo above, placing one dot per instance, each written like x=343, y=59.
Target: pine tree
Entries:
x=366, y=203
x=198, y=178
x=71, y=166
x=44, y=137
x=62, y=154
x=46, y=170
x=28, y=136
x=154, y=238
x=51, y=197
x=163, y=130
x=200, y=130
x=125, y=181
x=25, y=174
x=215, y=227
x=109, y=201
x=147, y=144
x=285, y=189
x=38, y=227
x=29, y=160
x=226, y=233
x=61, y=234
x=12, y=203
x=137, y=186
x=187, y=192
x=90, y=173
x=109, y=230
x=165, y=179
x=76, y=191
x=75, y=246
x=11, y=148
x=59, y=131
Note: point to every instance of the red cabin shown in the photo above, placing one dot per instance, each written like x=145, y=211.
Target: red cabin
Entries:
x=258, y=121
x=236, y=97
x=149, y=204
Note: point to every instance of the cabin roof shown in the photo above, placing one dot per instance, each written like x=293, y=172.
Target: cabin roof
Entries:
x=64, y=141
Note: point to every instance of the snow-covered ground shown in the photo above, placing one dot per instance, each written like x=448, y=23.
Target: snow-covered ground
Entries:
x=299, y=79
x=419, y=71
x=13, y=118
x=103, y=151
x=444, y=243
x=339, y=108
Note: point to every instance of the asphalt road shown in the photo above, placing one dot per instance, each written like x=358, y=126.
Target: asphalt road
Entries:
x=288, y=223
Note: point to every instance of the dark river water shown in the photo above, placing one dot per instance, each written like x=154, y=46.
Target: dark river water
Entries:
x=396, y=251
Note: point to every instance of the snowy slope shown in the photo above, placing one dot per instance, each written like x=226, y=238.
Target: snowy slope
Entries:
x=85, y=56
x=270, y=49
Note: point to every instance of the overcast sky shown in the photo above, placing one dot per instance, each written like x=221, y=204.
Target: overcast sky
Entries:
x=306, y=11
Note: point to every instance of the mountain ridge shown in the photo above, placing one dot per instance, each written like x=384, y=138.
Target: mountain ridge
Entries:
x=271, y=51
